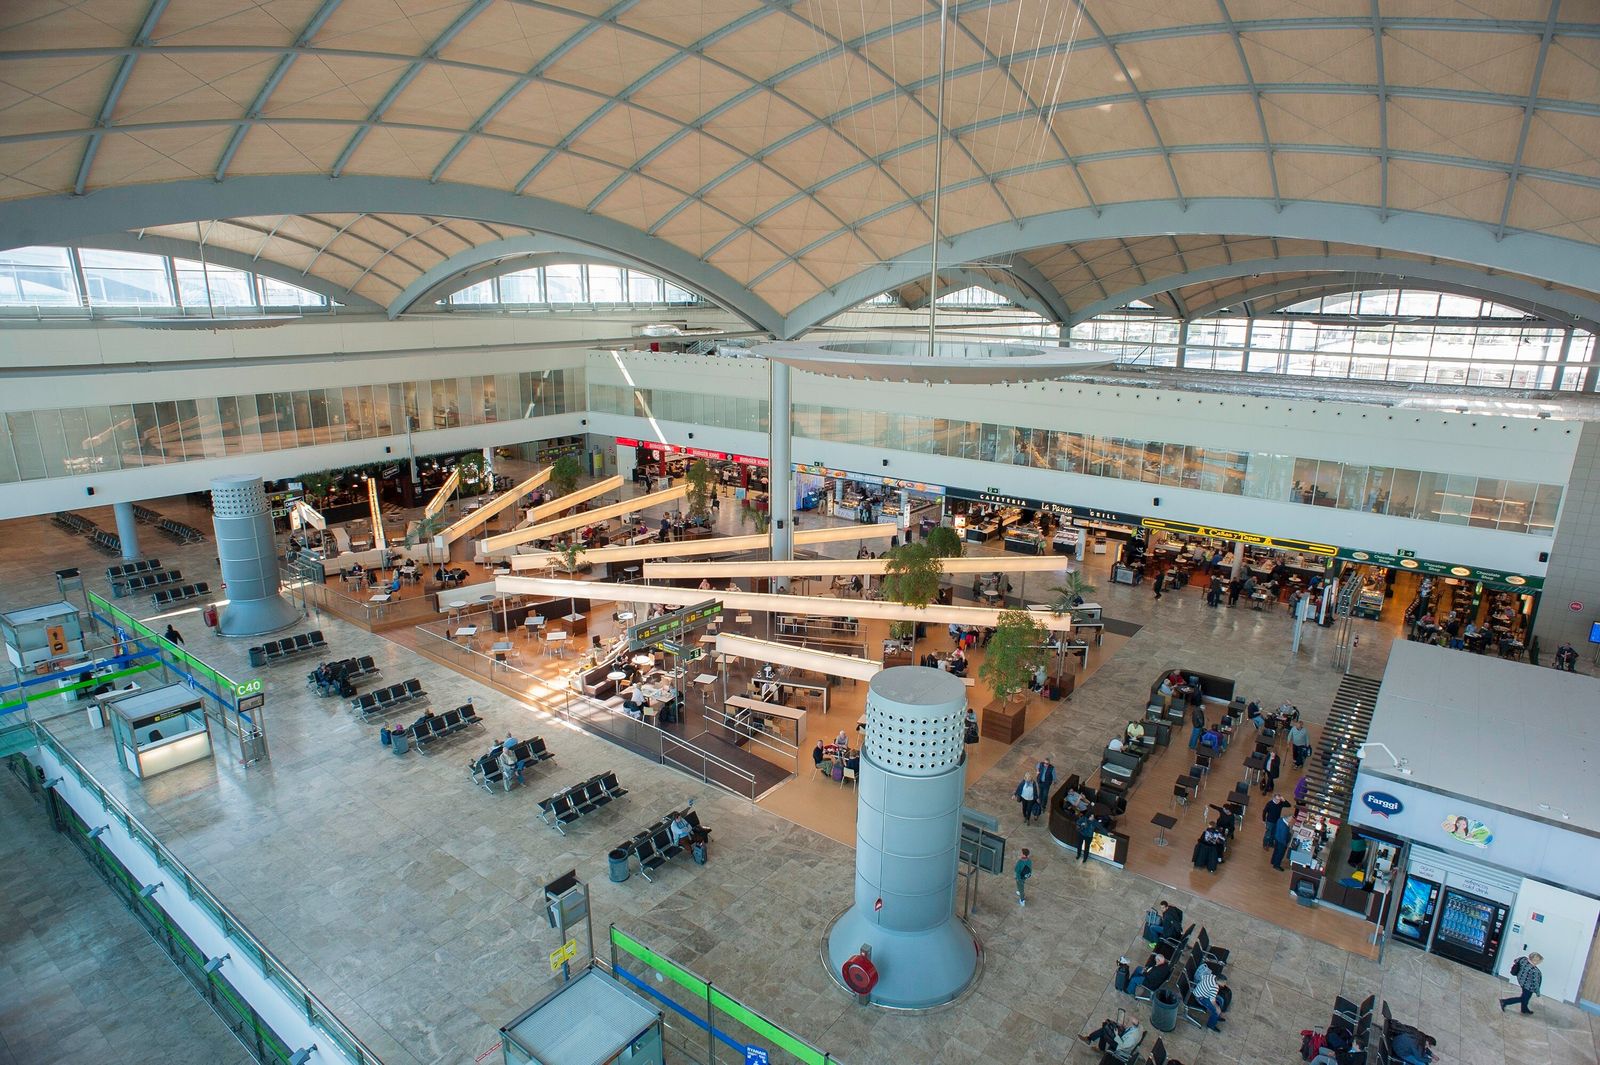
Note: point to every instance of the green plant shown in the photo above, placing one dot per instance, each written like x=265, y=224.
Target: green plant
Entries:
x=701, y=483
x=564, y=474
x=911, y=575
x=471, y=467
x=571, y=555
x=424, y=529
x=943, y=541
x=1014, y=653
x=1067, y=594
x=316, y=485
x=751, y=516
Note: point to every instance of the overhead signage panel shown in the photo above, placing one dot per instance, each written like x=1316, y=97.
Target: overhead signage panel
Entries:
x=1513, y=582
x=1280, y=542
x=1068, y=511
x=920, y=487
x=694, y=452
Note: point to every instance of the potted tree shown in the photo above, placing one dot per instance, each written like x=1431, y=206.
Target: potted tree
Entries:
x=943, y=542
x=1016, y=652
x=701, y=483
x=911, y=578
x=564, y=474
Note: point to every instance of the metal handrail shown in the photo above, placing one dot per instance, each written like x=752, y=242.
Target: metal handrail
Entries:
x=316, y=1012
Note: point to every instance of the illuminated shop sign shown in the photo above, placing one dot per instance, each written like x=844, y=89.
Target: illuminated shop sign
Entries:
x=1512, y=582
x=1279, y=542
x=694, y=452
x=919, y=487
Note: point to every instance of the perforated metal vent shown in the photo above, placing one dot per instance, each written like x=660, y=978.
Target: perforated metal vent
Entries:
x=915, y=721
x=240, y=498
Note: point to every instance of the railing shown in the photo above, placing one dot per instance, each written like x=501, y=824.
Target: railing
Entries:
x=369, y=615
x=241, y=940
x=559, y=699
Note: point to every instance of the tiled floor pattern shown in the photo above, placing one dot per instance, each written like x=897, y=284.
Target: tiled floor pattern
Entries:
x=411, y=908
x=80, y=980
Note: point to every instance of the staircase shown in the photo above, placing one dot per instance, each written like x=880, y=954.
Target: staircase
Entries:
x=1332, y=767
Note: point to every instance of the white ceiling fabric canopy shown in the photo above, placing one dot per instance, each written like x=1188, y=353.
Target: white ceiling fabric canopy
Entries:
x=785, y=148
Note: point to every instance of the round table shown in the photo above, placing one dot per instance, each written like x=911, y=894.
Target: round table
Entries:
x=616, y=674
x=456, y=607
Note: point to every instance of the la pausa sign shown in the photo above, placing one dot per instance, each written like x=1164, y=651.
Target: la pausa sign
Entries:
x=1382, y=804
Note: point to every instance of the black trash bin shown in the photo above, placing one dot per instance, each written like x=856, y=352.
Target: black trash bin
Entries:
x=1164, y=1010
x=258, y=657
x=619, y=866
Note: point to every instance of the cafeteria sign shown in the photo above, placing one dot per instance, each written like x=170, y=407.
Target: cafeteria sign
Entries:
x=1279, y=542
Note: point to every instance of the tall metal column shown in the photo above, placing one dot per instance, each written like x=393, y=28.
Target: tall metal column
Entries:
x=248, y=552
x=1238, y=560
x=908, y=828
x=780, y=490
x=1183, y=340
x=127, y=529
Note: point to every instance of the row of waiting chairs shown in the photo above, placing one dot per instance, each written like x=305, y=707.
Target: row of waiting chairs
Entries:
x=341, y=677
x=128, y=569
x=654, y=847
x=144, y=515
x=106, y=542
x=288, y=647
x=145, y=582
x=569, y=804
x=73, y=523
x=182, y=593
x=487, y=772
x=393, y=697
x=183, y=534
x=431, y=727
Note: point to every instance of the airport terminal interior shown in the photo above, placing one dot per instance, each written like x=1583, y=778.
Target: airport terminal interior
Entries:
x=563, y=532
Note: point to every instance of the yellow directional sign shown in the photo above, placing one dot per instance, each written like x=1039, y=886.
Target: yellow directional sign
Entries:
x=563, y=954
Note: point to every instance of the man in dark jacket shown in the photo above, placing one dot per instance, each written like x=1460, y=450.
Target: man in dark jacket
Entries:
x=1156, y=970
x=1197, y=719
x=1269, y=816
x=1171, y=921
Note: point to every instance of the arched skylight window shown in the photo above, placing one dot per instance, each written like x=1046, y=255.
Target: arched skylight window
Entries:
x=580, y=284
x=47, y=280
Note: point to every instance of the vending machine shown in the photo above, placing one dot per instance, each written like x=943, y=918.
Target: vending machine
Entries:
x=1469, y=929
x=1419, y=902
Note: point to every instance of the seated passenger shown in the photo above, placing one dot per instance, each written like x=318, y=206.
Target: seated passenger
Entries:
x=1115, y=745
x=511, y=765
x=680, y=828
x=1156, y=970
x=1135, y=732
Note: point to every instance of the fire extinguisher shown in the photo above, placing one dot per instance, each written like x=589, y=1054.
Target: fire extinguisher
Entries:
x=210, y=615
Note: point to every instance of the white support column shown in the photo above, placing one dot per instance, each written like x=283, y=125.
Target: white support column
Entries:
x=127, y=529
x=1238, y=559
x=1183, y=339
x=780, y=489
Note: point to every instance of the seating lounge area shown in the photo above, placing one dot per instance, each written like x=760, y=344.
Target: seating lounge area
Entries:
x=181, y=594
x=426, y=731
x=289, y=647
x=655, y=847
x=394, y=697
x=341, y=677
x=488, y=772
x=579, y=800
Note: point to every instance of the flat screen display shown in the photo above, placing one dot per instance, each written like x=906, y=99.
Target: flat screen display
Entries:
x=1594, y=632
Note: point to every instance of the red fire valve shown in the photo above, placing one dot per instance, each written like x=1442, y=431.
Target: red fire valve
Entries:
x=860, y=975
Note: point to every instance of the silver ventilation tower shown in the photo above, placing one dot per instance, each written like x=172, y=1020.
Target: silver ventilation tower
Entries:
x=908, y=827
x=249, y=557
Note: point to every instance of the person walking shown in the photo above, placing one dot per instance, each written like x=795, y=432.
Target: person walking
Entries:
x=1280, y=842
x=1161, y=578
x=1529, y=978
x=1027, y=792
x=1087, y=826
x=1271, y=813
x=1045, y=774
x=1300, y=744
x=1270, y=768
x=173, y=635
x=1023, y=871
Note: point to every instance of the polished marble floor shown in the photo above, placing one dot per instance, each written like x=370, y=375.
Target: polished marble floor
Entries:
x=406, y=898
x=80, y=980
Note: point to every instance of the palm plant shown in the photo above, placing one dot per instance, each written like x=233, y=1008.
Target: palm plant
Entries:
x=1070, y=592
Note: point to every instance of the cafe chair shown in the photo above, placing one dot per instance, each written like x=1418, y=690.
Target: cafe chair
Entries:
x=849, y=776
x=1180, y=795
